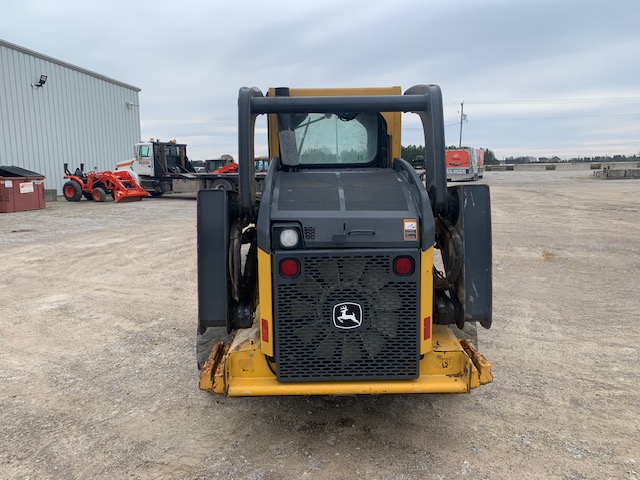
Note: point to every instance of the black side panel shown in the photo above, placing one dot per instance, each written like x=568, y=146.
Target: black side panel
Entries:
x=263, y=225
x=473, y=220
x=213, y=252
x=422, y=199
x=159, y=163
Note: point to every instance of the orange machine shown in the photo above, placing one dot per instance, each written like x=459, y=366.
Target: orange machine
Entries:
x=121, y=185
x=228, y=168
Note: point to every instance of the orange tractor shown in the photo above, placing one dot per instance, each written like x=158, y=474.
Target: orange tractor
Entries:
x=121, y=185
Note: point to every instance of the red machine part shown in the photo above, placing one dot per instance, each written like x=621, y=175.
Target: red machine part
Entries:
x=97, y=185
x=228, y=168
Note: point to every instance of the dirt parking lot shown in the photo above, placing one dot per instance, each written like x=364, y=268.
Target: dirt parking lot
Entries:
x=98, y=378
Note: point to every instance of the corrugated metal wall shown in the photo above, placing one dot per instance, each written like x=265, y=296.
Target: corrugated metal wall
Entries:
x=77, y=116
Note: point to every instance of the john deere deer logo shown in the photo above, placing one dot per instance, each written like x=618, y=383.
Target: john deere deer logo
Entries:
x=347, y=315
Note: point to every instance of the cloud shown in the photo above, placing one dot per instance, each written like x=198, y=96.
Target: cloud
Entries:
x=190, y=58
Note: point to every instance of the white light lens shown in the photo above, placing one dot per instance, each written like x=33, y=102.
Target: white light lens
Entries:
x=289, y=237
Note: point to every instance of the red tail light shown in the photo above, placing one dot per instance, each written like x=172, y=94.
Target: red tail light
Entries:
x=290, y=268
x=427, y=328
x=403, y=266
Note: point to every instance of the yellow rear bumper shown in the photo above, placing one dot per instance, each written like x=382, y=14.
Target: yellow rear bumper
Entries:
x=241, y=369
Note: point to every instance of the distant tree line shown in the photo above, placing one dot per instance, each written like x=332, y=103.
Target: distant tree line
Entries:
x=556, y=159
x=410, y=153
x=523, y=159
x=607, y=158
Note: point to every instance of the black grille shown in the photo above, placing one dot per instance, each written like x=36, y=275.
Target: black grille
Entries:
x=305, y=191
x=309, y=345
x=376, y=199
x=380, y=191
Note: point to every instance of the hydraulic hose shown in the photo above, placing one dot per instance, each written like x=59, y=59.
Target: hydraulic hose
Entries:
x=449, y=243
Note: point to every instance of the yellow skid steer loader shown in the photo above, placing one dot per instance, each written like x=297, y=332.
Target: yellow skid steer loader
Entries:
x=327, y=278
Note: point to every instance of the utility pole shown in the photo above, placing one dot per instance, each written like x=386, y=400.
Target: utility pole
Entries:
x=461, y=118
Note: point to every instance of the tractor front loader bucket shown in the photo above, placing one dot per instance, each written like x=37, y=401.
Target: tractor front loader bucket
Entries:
x=128, y=195
x=125, y=188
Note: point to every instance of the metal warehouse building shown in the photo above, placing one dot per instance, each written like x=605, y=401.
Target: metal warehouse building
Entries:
x=52, y=113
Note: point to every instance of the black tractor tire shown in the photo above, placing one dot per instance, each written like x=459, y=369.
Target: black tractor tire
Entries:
x=87, y=195
x=156, y=194
x=222, y=184
x=99, y=194
x=469, y=332
x=72, y=191
x=204, y=343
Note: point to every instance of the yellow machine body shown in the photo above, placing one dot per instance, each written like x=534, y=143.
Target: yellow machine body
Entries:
x=246, y=366
x=241, y=369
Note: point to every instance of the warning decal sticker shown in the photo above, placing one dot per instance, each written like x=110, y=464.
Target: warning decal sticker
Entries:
x=26, y=187
x=411, y=229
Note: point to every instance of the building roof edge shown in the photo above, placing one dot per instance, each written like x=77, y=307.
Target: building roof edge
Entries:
x=4, y=43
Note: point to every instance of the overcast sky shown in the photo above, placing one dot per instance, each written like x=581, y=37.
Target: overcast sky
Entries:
x=538, y=78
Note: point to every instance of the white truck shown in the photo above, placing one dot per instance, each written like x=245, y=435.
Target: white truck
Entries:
x=163, y=167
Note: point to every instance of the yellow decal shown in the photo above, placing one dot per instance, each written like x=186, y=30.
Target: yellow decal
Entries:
x=266, y=304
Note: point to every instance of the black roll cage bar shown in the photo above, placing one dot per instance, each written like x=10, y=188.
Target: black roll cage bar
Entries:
x=423, y=100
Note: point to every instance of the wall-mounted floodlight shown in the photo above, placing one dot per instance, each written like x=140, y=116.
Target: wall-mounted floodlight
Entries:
x=41, y=82
x=130, y=105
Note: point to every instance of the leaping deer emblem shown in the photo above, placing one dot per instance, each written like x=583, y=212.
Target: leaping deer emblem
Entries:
x=348, y=317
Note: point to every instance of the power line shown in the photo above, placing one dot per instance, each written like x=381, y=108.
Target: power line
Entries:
x=419, y=129
x=555, y=101
x=555, y=117
x=525, y=119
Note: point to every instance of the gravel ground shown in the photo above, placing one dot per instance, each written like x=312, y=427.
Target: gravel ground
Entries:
x=98, y=309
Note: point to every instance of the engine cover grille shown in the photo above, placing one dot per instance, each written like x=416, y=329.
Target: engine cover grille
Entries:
x=346, y=317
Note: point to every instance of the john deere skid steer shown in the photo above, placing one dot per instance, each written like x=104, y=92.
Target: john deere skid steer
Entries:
x=349, y=274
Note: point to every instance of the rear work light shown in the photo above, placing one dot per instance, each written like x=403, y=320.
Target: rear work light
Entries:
x=289, y=268
x=289, y=237
x=403, y=265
